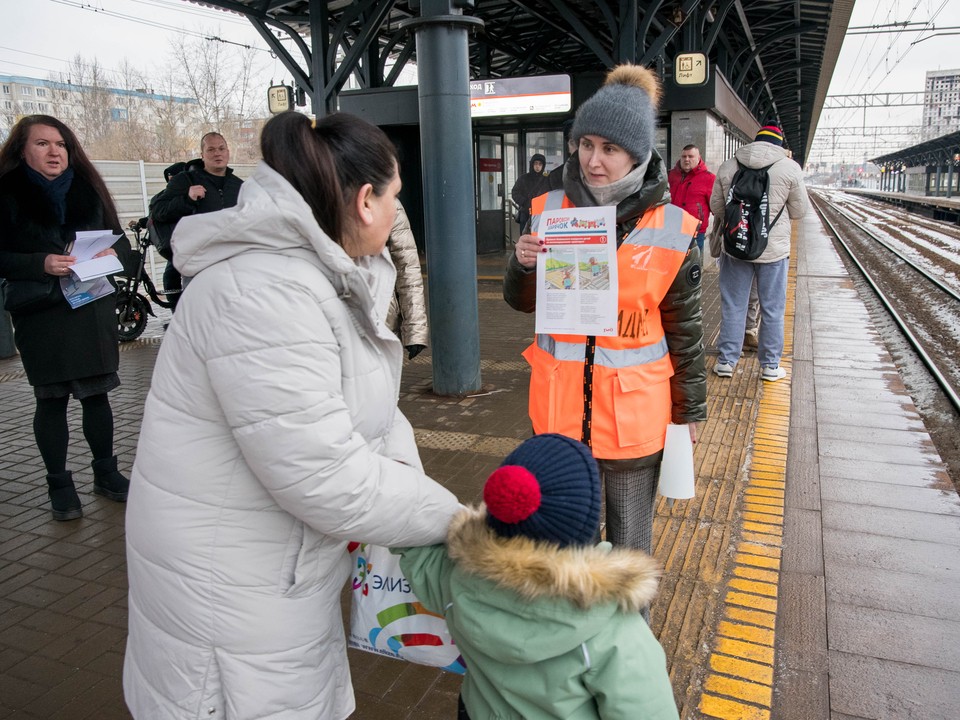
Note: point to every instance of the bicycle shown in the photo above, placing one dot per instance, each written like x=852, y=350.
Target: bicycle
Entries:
x=133, y=308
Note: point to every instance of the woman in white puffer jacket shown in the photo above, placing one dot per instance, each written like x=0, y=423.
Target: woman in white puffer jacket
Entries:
x=271, y=437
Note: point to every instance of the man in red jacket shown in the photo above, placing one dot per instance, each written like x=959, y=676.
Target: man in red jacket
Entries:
x=690, y=187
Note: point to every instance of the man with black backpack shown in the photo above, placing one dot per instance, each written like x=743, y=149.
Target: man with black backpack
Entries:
x=204, y=185
x=756, y=195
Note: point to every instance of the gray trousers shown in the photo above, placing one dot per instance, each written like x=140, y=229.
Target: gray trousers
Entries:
x=736, y=277
x=631, y=497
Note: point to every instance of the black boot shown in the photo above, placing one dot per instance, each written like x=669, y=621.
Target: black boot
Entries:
x=108, y=481
x=63, y=496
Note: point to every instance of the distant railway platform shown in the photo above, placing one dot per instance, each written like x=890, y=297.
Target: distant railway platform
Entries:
x=939, y=207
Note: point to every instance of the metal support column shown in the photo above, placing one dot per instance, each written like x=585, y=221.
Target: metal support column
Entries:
x=939, y=175
x=321, y=104
x=950, y=179
x=448, y=206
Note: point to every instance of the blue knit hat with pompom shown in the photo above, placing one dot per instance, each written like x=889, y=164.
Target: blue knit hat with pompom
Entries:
x=547, y=489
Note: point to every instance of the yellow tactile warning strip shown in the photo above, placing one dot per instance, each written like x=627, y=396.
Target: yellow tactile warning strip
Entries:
x=739, y=681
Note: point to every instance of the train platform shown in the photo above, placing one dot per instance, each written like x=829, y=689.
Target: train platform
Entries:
x=814, y=575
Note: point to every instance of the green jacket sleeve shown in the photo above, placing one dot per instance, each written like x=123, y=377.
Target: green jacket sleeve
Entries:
x=628, y=673
x=428, y=570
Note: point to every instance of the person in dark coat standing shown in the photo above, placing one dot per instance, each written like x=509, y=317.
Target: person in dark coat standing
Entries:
x=49, y=190
x=690, y=187
x=204, y=186
x=528, y=186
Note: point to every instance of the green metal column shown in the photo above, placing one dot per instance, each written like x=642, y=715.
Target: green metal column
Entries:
x=449, y=219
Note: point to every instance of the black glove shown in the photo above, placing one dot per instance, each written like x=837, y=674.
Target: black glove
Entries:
x=414, y=350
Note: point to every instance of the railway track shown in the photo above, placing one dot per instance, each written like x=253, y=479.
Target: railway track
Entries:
x=918, y=287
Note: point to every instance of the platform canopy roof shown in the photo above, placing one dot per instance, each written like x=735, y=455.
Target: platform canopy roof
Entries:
x=937, y=151
x=778, y=55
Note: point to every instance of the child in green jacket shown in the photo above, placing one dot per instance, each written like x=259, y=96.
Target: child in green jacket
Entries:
x=548, y=624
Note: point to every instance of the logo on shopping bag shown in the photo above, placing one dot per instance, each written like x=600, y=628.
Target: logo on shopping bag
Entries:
x=415, y=646
x=387, y=619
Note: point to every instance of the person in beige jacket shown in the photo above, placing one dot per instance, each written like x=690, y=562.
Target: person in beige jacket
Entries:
x=788, y=194
x=407, y=316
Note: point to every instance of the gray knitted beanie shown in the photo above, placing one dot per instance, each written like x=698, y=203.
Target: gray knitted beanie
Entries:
x=624, y=111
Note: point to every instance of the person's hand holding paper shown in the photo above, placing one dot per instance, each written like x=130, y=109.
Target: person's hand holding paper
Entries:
x=105, y=264
x=95, y=256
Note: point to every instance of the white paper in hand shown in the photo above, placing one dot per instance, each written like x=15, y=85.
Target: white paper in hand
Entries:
x=676, y=469
x=98, y=267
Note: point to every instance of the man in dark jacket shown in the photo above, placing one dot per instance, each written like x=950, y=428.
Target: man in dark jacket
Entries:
x=205, y=186
x=690, y=187
x=528, y=186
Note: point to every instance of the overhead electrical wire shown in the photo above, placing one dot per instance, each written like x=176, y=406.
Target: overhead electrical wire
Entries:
x=155, y=24
x=865, y=58
x=116, y=75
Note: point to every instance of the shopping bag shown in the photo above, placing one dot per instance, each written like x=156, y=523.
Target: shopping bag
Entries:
x=387, y=619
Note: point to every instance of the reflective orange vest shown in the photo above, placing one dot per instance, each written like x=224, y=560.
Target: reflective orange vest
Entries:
x=613, y=393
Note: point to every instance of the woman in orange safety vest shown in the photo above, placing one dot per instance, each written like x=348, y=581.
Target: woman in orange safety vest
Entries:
x=618, y=394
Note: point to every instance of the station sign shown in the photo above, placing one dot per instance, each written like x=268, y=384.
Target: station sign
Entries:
x=279, y=98
x=520, y=96
x=690, y=69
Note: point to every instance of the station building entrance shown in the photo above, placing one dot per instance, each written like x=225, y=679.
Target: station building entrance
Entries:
x=502, y=147
x=501, y=156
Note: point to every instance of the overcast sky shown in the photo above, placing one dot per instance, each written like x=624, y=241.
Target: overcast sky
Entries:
x=39, y=37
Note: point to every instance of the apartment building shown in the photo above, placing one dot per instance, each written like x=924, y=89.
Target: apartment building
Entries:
x=941, y=103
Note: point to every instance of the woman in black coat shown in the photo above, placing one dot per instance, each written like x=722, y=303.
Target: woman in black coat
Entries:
x=49, y=190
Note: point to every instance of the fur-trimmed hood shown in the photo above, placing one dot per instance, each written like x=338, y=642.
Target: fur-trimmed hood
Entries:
x=585, y=576
x=545, y=600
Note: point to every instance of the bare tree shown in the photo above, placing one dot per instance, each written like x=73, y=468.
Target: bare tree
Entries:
x=160, y=116
x=131, y=134
x=219, y=76
x=174, y=122
x=85, y=103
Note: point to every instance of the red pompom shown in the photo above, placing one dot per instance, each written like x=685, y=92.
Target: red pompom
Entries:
x=512, y=494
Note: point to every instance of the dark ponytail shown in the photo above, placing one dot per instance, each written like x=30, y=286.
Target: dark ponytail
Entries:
x=328, y=163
